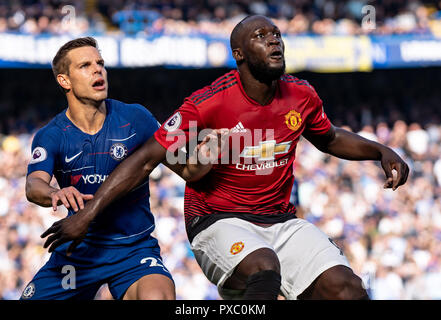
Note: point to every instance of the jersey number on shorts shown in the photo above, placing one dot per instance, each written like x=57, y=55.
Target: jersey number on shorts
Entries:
x=153, y=263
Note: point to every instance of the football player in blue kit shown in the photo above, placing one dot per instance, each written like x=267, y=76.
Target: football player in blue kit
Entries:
x=81, y=146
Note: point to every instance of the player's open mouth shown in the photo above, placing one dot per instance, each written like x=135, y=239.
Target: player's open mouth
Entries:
x=276, y=55
x=99, y=84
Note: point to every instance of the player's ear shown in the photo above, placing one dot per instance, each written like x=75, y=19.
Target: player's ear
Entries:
x=63, y=81
x=238, y=55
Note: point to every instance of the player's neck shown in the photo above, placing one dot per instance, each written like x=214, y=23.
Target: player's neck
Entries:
x=88, y=118
x=260, y=92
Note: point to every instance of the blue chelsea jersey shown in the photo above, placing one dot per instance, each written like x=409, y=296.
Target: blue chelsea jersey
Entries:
x=84, y=161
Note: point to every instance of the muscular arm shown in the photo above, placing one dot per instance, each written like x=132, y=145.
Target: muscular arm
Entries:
x=126, y=176
x=189, y=172
x=136, y=168
x=351, y=146
x=38, y=189
x=346, y=145
x=129, y=174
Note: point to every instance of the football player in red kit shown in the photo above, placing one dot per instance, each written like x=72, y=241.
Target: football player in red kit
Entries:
x=241, y=226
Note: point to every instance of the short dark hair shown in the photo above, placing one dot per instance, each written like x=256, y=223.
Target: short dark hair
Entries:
x=61, y=63
x=234, y=41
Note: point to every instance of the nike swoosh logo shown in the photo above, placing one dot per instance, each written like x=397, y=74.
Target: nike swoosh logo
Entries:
x=71, y=158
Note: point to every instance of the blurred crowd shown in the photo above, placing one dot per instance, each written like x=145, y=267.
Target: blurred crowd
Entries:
x=391, y=238
x=218, y=17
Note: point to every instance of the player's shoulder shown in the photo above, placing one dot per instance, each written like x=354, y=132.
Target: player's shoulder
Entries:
x=221, y=84
x=54, y=128
x=294, y=84
x=132, y=110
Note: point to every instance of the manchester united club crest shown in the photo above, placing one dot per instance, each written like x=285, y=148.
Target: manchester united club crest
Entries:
x=237, y=247
x=293, y=120
x=118, y=151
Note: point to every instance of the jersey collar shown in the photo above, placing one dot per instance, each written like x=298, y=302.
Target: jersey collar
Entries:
x=251, y=100
x=108, y=103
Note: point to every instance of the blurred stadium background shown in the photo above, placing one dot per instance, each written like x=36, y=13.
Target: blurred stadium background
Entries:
x=375, y=64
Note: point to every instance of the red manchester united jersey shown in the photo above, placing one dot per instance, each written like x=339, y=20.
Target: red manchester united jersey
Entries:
x=254, y=176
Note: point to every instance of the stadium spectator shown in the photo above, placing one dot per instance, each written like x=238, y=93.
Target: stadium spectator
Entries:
x=218, y=17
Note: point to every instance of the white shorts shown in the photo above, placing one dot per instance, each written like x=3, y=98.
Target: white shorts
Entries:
x=304, y=251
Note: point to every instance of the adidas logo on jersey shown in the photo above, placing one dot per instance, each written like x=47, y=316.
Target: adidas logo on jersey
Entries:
x=239, y=128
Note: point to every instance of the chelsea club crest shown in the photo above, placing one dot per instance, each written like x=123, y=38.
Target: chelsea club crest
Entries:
x=118, y=151
x=29, y=291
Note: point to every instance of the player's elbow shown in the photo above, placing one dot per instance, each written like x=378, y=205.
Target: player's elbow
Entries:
x=191, y=178
x=30, y=194
x=185, y=174
x=196, y=173
x=28, y=190
x=145, y=170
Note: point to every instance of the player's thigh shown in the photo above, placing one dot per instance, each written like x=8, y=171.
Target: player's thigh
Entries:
x=304, y=252
x=61, y=280
x=337, y=283
x=142, y=262
x=151, y=287
x=221, y=247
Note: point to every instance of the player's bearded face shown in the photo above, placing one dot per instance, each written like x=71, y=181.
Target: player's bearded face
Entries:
x=264, y=52
x=264, y=71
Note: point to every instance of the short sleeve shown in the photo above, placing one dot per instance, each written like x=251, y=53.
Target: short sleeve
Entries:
x=45, y=146
x=180, y=128
x=317, y=121
x=145, y=122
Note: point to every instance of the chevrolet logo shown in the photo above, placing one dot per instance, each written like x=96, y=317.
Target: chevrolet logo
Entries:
x=266, y=150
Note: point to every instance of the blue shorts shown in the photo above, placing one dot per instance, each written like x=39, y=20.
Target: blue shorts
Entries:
x=80, y=275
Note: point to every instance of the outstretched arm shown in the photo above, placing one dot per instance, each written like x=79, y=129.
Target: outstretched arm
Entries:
x=351, y=146
x=136, y=168
x=128, y=175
